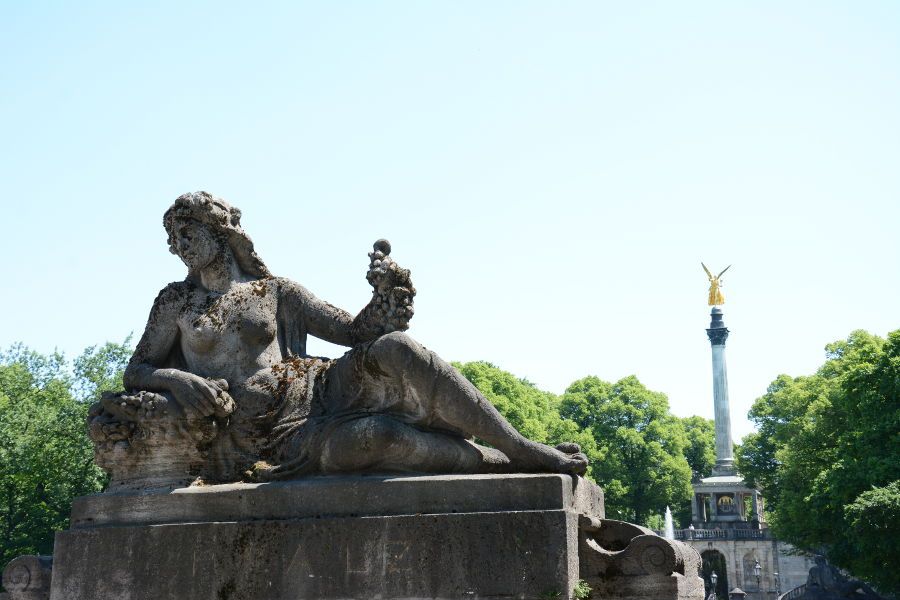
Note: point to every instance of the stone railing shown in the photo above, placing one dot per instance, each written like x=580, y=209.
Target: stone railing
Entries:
x=794, y=593
x=721, y=534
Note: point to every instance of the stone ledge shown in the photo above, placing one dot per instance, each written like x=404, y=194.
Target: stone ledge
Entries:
x=342, y=496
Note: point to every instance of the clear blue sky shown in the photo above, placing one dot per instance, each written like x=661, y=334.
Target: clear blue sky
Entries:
x=552, y=172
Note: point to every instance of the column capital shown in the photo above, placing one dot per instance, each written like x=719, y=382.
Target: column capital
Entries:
x=717, y=331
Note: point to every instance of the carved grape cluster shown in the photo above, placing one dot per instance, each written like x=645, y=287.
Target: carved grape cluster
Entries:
x=140, y=406
x=114, y=418
x=393, y=292
x=124, y=416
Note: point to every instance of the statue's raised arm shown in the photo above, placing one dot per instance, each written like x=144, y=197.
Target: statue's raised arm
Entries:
x=389, y=309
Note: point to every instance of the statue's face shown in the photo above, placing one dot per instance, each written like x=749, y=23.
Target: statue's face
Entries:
x=195, y=244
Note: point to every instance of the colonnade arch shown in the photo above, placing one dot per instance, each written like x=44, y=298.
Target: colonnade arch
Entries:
x=713, y=560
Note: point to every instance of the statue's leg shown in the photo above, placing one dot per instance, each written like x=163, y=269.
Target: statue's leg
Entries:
x=396, y=375
x=383, y=444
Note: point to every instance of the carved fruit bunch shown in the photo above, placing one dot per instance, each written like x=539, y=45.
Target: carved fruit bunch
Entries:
x=124, y=418
x=393, y=291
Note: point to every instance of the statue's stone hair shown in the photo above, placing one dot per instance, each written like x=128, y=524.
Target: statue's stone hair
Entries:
x=225, y=222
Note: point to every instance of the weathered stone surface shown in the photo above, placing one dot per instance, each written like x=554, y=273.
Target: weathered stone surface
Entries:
x=342, y=496
x=28, y=578
x=146, y=441
x=500, y=536
x=474, y=555
x=622, y=561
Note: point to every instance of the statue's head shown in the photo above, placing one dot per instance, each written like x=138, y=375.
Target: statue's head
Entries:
x=201, y=226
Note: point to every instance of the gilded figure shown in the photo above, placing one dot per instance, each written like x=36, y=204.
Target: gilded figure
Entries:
x=716, y=297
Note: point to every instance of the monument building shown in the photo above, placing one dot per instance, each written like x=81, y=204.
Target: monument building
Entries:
x=728, y=525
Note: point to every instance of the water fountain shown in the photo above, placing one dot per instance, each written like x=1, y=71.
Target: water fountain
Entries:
x=669, y=531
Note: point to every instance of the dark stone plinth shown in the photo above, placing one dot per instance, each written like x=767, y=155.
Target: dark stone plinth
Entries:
x=503, y=536
x=476, y=555
x=458, y=536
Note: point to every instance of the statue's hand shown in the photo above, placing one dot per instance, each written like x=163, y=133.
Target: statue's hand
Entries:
x=393, y=291
x=200, y=396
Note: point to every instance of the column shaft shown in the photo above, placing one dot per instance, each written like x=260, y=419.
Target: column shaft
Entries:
x=724, y=449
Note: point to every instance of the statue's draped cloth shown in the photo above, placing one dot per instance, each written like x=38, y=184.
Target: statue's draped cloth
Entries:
x=285, y=413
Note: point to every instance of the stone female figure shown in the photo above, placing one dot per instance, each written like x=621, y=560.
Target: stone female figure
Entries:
x=222, y=368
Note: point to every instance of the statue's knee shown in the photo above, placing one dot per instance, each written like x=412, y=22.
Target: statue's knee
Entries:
x=396, y=339
x=395, y=349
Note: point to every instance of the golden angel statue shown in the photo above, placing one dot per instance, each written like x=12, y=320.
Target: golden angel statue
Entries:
x=716, y=297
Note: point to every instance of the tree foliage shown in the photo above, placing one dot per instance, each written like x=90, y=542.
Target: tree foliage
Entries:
x=874, y=520
x=641, y=446
x=46, y=459
x=638, y=449
x=701, y=445
x=533, y=412
x=827, y=452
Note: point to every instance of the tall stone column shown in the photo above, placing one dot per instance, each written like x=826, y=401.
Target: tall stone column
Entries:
x=718, y=333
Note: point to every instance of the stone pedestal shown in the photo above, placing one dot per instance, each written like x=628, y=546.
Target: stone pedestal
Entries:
x=372, y=537
x=468, y=536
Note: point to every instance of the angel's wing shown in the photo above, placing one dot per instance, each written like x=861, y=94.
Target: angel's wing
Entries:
x=723, y=271
x=708, y=274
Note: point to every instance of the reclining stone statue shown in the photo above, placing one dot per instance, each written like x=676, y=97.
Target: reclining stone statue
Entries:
x=221, y=388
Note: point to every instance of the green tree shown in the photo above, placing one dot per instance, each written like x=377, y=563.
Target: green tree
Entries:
x=46, y=459
x=874, y=519
x=827, y=450
x=100, y=370
x=701, y=445
x=641, y=446
x=533, y=412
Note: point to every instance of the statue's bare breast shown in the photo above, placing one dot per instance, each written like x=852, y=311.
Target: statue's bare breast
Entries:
x=231, y=336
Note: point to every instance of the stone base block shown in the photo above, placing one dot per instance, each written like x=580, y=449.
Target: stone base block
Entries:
x=473, y=537
x=649, y=587
x=27, y=578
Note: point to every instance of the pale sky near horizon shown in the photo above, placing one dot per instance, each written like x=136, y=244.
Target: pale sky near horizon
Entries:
x=552, y=172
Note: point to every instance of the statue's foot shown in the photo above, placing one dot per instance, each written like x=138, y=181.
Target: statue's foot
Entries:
x=565, y=458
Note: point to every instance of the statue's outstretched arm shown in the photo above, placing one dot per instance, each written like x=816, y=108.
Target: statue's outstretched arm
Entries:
x=146, y=369
x=321, y=319
x=390, y=308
